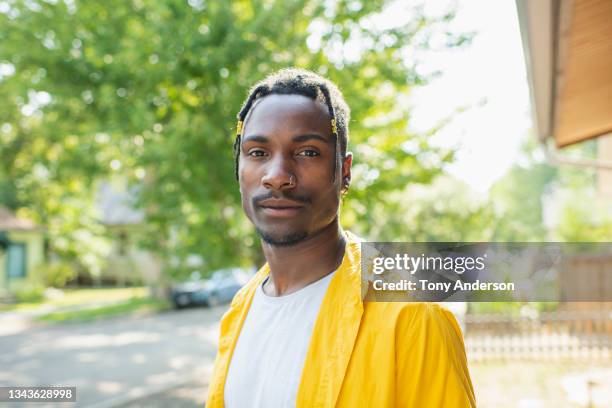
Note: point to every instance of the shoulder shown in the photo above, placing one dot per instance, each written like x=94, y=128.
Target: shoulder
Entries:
x=242, y=299
x=430, y=318
x=245, y=293
x=414, y=319
x=425, y=312
x=428, y=341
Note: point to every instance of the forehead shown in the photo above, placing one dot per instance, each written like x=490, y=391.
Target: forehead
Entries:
x=287, y=114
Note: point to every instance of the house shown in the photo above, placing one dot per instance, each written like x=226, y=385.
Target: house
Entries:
x=568, y=51
x=22, y=245
x=127, y=263
x=568, y=54
x=21, y=251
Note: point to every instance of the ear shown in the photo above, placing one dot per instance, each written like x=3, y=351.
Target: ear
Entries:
x=347, y=163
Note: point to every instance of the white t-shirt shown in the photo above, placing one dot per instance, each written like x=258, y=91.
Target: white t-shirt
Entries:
x=266, y=366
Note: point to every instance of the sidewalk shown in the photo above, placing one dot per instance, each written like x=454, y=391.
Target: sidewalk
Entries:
x=191, y=394
x=497, y=384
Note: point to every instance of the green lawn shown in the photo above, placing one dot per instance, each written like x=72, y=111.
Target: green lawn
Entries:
x=130, y=306
x=74, y=297
x=81, y=305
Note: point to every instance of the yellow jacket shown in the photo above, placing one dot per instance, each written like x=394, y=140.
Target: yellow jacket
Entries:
x=365, y=354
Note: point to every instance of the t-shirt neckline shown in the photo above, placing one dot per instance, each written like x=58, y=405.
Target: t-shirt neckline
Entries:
x=302, y=292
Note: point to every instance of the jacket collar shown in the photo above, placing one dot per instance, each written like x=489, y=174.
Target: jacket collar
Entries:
x=334, y=333
x=332, y=338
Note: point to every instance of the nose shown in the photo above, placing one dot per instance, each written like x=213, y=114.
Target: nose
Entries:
x=278, y=175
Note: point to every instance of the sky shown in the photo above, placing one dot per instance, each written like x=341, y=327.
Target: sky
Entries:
x=488, y=78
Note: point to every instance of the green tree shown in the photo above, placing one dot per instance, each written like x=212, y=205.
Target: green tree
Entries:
x=578, y=214
x=149, y=90
x=448, y=210
x=584, y=218
x=517, y=198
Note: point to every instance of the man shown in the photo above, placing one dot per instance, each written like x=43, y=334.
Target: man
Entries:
x=299, y=333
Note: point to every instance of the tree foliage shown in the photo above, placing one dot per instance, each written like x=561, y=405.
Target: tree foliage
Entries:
x=148, y=91
x=518, y=200
x=536, y=201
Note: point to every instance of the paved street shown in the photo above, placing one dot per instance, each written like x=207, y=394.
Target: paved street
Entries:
x=117, y=360
x=164, y=360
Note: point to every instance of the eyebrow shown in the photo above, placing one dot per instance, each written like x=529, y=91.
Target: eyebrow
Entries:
x=297, y=139
x=256, y=138
x=306, y=138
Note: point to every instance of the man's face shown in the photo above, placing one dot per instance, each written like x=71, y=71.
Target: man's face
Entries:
x=286, y=169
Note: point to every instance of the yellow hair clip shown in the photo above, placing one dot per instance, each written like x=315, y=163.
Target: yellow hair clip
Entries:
x=239, y=128
x=333, y=124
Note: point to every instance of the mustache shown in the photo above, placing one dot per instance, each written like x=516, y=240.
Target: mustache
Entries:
x=287, y=196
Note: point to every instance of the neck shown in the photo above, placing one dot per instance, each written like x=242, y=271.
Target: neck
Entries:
x=296, y=266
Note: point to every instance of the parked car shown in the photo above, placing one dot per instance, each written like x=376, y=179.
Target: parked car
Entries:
x=219, y=289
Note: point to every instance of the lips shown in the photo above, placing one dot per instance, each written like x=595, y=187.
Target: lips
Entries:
x=280, y=203
x=280, y=207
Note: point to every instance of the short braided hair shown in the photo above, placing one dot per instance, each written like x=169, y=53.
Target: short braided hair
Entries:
x=295, y=81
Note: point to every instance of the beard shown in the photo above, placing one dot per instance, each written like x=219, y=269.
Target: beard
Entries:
x=286, y=240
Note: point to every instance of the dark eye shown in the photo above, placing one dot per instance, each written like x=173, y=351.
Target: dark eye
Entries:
x=257, y=153
x=308, y=153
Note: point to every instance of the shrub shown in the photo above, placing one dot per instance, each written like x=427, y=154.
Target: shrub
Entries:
x=28, y=292
x=57, y=274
